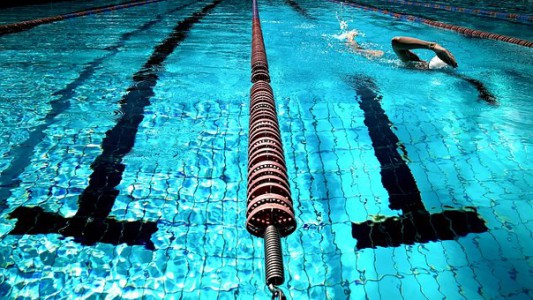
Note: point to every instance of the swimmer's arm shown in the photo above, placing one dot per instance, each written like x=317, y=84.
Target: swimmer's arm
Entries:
x=401, y=46
x=409, y=43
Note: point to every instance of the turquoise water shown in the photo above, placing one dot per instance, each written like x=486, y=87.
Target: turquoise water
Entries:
x=522, y=30
x=29, y=12
x=509, y=5
x=187, y=171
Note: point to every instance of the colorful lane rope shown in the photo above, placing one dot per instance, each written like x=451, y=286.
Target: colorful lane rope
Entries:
x=459, y=29
x=478, y=12
x=26, y=25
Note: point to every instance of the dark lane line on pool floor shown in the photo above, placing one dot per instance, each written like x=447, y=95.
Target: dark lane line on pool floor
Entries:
x=91, y=223
x=22, y=153
x=302, y=11
x=483, y=93
x=415, y=224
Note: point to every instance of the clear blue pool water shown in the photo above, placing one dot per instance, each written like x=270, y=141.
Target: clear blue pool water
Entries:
x=23, y=13
x=524, y=7
x=61, y=92
x=517, y=29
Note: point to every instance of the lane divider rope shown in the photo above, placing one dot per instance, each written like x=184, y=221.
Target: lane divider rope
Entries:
x=459, y=29
x=26, y=25
x=270, y=212
x=477, y=12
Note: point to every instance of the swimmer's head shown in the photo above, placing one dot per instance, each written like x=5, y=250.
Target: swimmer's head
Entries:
x=344, y=25
x=437, y=63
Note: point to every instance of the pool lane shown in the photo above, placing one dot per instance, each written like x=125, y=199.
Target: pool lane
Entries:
x=90, y=224
x=415, y=224
x=22, y=152
x=301, y=10
x=442, y=25
x=27, y=25
x=502, y=15
x=436, y=118
x=18, y=13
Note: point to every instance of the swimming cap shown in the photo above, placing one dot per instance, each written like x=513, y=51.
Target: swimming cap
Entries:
x=437, y=63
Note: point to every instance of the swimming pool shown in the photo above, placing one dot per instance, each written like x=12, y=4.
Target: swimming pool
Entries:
x=72, y=94
x=507, y=17
x=13, y=13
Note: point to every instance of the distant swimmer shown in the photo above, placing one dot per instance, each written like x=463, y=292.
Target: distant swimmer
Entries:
x=350, y=41
x=349, y=37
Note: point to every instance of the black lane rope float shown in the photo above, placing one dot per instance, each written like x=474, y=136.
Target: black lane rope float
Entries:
x=26, y=25
x=21, y=154
x=459, y=29
x=472, y=11
x=416, y=224
x=269, y=212
x=91, y=223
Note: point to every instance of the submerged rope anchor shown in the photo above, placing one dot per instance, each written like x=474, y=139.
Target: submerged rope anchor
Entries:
x=276, y=292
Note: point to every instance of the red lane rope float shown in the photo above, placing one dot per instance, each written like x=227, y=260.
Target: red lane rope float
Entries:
x=26, y=25
x=265, y=148
x=459, y=29
x=269, y=212
x=478, y=12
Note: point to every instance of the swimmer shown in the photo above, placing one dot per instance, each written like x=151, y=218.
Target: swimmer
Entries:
x=350, y=41
x=402, y=46
x=349, y=36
